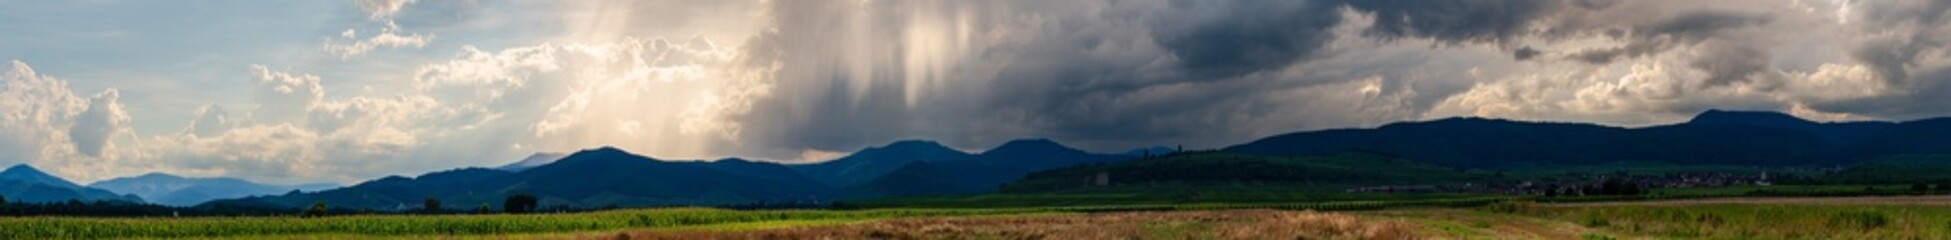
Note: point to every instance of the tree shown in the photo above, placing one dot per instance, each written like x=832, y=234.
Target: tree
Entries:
x=484, y=209
x=432, y=205
x=1919, y=187
x=1944, y=187
x=1611, y=187
x=519, y=203
x=318, y=210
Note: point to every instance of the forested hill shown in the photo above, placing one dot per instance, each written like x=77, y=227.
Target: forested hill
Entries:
x=1713, y=137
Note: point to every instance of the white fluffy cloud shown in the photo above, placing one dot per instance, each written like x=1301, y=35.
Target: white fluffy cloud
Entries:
x=295, y=135
x=103, y=120
x=642, y=94
x=36, y=110
x=284, y=97
x=210, y=121
x=278, y=153
x=489, y=73
x=381, y=9
x=349, y=44
x=42, y=122
x=306, y=136
x=389, y=35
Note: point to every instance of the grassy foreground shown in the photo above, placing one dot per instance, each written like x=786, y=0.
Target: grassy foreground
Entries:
x=1915, y=217
x=1902, y=217
x=606, y=221
x=441, y=225
x=1762, y=221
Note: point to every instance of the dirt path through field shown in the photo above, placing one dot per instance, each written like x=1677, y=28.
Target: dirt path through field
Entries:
x=1886, y=200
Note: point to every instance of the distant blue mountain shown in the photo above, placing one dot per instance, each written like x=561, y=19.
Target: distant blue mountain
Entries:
x=174, y=190
x=22, y=183
x=27, y=174
x=532, y=161
x=1712, y=137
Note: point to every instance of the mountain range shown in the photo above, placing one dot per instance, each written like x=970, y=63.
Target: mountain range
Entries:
x=612, y=177
x=175, y=190
x=606, y=176
x=532, y=161
x=22, y=183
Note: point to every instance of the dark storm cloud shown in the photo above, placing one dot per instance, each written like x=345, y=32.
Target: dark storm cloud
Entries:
x=1699, y=25
x=830, y=91
x=1465, y=20
x=1907, y=35
x=1215, y=72
x=1526, y=53
x=1890, y=56
x=1729, y=63
x=1123, y=72
x=1725, y=62
x=1230, y=38
x=1680, y=31
x=1230, y=55
x=1924, y=99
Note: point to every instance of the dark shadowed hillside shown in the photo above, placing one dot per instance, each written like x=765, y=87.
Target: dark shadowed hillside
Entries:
x=870, y=163
x=591, y=178
x=910, y=168
x=1713, y=137
x=611, y=177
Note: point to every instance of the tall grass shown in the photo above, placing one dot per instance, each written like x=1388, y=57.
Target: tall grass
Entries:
x=1761, y=221
x=448, y=225
x=441, y=225
x=1226, y=224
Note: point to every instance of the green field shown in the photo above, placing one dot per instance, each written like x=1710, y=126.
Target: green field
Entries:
x=1765, y=221
x=445, y=225
x=1760, y=220
x=675, y=218
x=1900, y=217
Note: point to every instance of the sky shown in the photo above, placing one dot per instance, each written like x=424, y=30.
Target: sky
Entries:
x=342, y=91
